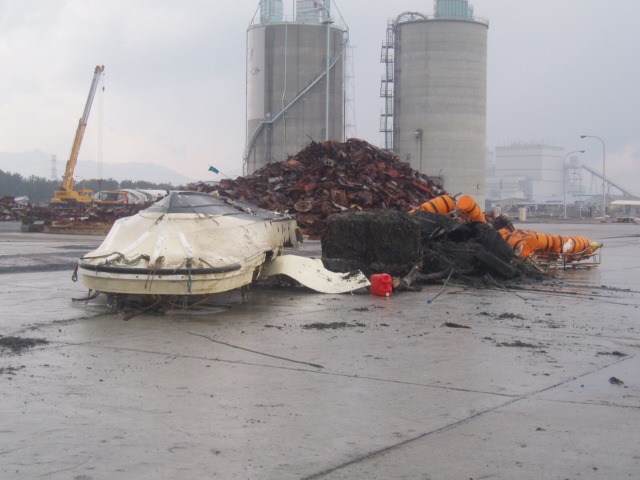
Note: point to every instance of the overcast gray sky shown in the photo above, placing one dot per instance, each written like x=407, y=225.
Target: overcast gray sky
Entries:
x=175, y=77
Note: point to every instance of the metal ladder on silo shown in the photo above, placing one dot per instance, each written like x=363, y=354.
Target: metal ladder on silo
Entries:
x=387, y=58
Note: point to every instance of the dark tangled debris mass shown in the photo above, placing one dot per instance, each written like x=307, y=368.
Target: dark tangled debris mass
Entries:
x=374, y=241
x=328, y=178
x=422, y=247
x=476, y=246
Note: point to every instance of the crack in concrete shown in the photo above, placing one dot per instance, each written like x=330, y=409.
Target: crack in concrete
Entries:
x=599, y=404
x=334, y=374
x=463, y=421
x=67, y=469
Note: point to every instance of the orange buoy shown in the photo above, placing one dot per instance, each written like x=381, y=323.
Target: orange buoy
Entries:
x=579, y=244
x=583, y=246
x=442, y=204
x=587, y=244
x=528, y=237
x=543, y=240
x=471, y=210
x=520, y=246
x=547, y=243
x=556, y=244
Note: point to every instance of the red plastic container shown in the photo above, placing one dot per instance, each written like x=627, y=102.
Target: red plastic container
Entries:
x=381, y=284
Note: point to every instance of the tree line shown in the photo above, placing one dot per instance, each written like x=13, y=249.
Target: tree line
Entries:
x=40, y=189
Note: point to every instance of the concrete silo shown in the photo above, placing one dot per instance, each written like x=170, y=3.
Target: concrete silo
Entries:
x=435, y=91
x=289, y=100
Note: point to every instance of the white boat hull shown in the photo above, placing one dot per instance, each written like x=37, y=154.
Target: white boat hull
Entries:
x=144, y=283
x=186, y=244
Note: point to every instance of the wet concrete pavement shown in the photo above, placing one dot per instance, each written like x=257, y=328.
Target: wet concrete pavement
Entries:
x=523, y=393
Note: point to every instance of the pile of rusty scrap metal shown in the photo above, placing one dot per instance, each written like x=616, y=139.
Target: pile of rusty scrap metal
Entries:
x=328, y=178
x=10, y=208
x=94, y=219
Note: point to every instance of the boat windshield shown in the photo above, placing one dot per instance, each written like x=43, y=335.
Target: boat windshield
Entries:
x=193, y=202
x=205, y=204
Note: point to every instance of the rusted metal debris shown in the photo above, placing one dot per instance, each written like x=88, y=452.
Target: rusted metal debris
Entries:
x=328, y=178
x=95, y=219
x=10, y=207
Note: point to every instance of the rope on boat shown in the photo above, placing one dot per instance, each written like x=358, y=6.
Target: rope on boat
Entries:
x=134, y=261
x=153, y=271
x=90, y=296
x=100, y=256
x=189, y=282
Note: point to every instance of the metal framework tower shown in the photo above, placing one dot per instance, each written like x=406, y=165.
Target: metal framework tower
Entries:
x=271, y=11
x=598, y=183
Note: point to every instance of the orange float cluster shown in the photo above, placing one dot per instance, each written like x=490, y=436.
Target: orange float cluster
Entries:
x=469, y=209
x=442, y=204
x=526, y=243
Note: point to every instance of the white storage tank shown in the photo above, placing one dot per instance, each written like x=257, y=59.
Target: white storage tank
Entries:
x=286, y=81
x=438, y=88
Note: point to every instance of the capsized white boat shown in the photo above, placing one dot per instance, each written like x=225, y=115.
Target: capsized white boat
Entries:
x=193, y=243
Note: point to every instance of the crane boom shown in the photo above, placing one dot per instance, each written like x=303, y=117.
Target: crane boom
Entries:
x=66, y=192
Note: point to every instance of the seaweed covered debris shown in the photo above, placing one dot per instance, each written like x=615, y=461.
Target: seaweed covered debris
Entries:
x=417, y=248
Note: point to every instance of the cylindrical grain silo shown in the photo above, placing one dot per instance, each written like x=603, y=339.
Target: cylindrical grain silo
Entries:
x=440, y=95
x=286, y=81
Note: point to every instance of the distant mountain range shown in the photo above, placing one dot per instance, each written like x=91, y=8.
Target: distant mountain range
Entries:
x=39, y=164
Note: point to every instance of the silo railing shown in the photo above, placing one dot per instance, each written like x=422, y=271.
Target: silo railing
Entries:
x=386, y=123
x=256, y=20
x=387, y=54
x=415, y=18
x=386, y=89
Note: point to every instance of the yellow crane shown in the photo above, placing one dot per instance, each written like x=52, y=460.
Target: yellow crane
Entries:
x=67, y=194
